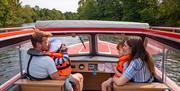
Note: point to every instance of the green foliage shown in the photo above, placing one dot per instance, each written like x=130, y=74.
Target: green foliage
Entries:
x=100, y=10
x=170, y=12
x=13, y=13
x=70, y=16
x=110, y=9
x=25, y=14
x=5, y=12
x=88, y=10
x=155, y=12
x=46, y=14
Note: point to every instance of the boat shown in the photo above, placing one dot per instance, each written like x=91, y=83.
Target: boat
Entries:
x=92, y=49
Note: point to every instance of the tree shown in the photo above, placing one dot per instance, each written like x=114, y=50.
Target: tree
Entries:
x=26, y=14
x=5, y=12
x=70, y=16
x=8, y=9
x=88, y=10
x=149, y=12
x=100, y=9
x=109, y=9
x=170, y=12
x=46, y=14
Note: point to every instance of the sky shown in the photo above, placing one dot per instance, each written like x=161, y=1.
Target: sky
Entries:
x=62, y=5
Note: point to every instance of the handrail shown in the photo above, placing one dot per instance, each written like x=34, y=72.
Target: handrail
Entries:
x=9, y=82
x=13, y=29
x=173, y=29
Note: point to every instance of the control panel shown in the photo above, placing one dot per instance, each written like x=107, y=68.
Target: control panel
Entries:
x=93, y=67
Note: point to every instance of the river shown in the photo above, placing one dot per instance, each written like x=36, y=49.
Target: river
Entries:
x=9, y=64
x=9, y=60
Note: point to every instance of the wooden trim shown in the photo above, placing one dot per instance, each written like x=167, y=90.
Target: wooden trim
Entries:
x=141, y=87
x=44, y=85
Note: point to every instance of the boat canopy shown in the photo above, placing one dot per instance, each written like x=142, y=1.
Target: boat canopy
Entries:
x=89, y=24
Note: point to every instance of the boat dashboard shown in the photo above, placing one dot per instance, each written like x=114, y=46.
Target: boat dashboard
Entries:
x=95, y=64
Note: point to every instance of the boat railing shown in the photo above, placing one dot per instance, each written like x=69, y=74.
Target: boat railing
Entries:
x=2, y=30
x=167, y=29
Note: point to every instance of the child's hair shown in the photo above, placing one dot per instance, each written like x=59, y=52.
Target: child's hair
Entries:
x=120, y=45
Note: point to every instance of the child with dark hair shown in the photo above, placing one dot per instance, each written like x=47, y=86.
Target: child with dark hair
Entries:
x=140, y=68
x=119, y=69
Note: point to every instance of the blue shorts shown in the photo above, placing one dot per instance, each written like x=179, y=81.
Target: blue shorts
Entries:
x=68, y=85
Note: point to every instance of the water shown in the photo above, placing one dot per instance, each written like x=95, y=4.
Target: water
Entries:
x=9, y=60
x=9, y=64
x=172, y=66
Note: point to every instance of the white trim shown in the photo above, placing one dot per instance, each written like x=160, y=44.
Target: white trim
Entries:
x=74, y=45
x=108, y=48
x=9, y=82
x=81, y=49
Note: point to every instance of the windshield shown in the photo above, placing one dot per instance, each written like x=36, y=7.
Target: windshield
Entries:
x=76, y=44
x=107, y=43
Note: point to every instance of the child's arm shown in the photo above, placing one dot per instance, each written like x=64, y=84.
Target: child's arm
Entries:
x=117, y=72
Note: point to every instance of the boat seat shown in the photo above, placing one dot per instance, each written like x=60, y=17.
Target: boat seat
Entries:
x=44, y=85
x=141, y=87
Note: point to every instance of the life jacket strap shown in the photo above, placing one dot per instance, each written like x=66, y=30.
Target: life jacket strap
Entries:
x=30, y=77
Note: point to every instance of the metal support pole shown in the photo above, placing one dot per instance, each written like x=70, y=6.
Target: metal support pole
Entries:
x=163, y=63
x=20, y=61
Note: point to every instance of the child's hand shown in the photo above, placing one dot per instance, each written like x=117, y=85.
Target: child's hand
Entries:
x=115, y=79
x=117, y=72
x=63, y=48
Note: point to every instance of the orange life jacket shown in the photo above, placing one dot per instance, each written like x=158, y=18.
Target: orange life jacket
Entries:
x=121, y=62
x=64, y=68
x=54, y=54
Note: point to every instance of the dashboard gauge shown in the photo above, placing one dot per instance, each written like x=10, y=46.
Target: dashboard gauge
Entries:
x=81, y=66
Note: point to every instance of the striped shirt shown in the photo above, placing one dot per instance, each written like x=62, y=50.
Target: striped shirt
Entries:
x=138, y=71
x=61, y=60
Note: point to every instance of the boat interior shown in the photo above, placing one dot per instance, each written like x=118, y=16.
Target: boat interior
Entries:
x=94, y=55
